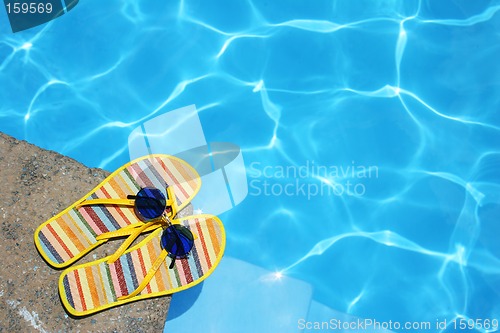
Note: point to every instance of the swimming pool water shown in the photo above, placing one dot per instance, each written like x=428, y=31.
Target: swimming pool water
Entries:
x=406, y=93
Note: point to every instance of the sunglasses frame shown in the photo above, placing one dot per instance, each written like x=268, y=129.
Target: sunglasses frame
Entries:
x=139, y=198
x=170, y=206
x=164, y=219
x=176, y=231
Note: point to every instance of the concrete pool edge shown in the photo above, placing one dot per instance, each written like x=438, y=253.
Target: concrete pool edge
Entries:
x=37, y=184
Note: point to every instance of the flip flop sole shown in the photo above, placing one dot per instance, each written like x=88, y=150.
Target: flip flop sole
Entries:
x=96, y=286
x=72, y=233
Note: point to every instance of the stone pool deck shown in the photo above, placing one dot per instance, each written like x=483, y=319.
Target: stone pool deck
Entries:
x=36, y=185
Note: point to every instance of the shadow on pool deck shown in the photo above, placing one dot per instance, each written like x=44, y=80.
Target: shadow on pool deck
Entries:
x=36, y=185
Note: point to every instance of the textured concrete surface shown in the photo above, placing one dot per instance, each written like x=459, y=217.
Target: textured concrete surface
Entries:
x=36, y=185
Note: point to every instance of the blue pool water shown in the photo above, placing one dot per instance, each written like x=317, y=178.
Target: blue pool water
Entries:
x=370, y=131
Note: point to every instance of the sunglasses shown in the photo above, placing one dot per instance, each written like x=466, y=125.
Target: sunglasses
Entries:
x=151, y=205
x=178, y=241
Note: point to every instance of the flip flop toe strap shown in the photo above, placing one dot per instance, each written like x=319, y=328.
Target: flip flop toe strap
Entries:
x=152, y=271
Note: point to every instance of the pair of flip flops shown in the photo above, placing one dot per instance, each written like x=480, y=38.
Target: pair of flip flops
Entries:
x=142, y=196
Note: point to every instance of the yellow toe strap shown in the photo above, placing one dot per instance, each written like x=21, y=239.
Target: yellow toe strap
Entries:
x=148, y=277
x=134, y=233
x=125, y=231
x=119, y=202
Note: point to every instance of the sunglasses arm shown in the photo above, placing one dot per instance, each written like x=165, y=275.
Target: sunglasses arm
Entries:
x=118, y=202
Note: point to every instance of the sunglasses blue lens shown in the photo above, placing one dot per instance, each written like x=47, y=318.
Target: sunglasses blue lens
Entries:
x=177, y=240
x=149, y=203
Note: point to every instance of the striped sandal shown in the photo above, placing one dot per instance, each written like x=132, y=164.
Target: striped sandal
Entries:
x=104, y=213
x=194, y=244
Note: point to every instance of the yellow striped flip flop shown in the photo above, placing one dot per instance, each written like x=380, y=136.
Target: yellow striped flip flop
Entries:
x=74, y=232
x=142, y=271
